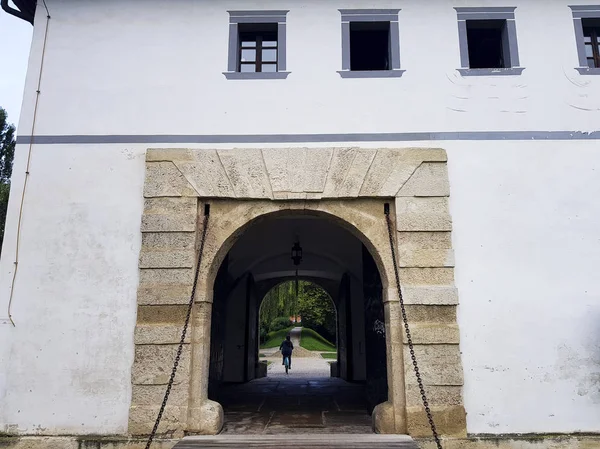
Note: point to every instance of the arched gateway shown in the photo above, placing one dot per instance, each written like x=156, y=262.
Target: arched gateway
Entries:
x=305, y=191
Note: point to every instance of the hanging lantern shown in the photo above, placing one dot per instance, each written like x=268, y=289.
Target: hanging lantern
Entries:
x=297, y=253
x=297, y=258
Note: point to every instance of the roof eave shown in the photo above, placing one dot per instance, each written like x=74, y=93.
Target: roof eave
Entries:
x=25, y=9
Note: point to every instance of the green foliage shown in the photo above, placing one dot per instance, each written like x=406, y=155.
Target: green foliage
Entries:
x=275, y=338
x=317, y=310
x=7, y=154
x=311, y=302
x=7, y=147
x=280, y=323
x=279, y=302
x=313, y=341
x=329, y=355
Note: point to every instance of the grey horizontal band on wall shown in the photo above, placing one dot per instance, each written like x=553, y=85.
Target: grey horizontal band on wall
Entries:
x=306, y=138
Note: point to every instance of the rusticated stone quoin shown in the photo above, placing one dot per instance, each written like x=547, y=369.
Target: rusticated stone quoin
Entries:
x=348, y=183
x=449, y=421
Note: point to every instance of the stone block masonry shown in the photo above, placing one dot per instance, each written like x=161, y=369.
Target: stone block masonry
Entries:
x=349, y=183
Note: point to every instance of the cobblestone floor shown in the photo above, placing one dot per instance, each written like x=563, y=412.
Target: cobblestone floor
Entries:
x=295, y=404
x=307, y=400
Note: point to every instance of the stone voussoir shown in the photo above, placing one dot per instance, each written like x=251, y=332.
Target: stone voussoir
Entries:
x=347, y=171
x=163, y=179
x=246, y=171
x=424, y=154
x=389, y=170
x=169, y=154
x=430, y=179
x=298, y=170
x=204, y=170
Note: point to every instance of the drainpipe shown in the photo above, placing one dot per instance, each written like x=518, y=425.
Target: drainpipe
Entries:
x=25, y=9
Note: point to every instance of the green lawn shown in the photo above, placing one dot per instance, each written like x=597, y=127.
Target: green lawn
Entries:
x=315, y=342
x=329, y=355
x=274, y=339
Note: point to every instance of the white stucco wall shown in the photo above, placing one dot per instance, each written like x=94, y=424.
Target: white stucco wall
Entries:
x=527, y=242
x=526, y=213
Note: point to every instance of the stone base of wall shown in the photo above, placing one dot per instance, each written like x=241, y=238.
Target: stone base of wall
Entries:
x=535, y=441
x=487, y=442
x=81, y=442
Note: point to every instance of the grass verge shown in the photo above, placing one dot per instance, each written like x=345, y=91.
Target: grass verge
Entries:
x=329, y=355
x=274, y=339
x=315, y=342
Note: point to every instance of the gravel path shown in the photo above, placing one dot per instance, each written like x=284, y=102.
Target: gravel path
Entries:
x=295, y=334
x=301, y=367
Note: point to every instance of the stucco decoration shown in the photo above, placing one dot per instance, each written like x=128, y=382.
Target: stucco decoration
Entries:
x=347, y=185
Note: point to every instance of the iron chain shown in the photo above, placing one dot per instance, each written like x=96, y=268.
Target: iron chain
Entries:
x=408, y=334
x=404, y=318
x=183, y=333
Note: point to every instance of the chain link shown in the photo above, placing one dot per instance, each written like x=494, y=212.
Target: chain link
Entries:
x=184, y=331
x=408, y=334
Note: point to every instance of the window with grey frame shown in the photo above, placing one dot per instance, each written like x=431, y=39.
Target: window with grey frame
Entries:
x=370, y=43
x=488, y=41
x=586, y=20
x=257, y=45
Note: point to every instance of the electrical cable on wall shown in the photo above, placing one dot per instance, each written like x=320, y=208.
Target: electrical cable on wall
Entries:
x=19, y=223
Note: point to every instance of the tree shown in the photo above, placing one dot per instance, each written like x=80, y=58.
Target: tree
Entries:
x=313, y=304
x=7, y=154
x=317, y=310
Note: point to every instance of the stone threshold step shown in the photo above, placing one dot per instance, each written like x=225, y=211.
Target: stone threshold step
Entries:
x=299, y=441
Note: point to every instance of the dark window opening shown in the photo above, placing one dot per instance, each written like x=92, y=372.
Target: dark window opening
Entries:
x=487, y=41
x=257, y=47
x=369, y=46
x=591, y=40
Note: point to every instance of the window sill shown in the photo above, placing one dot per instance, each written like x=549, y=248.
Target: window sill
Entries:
x=256, y=76
x=491, y=72
x=371, y=73
x=588, y=70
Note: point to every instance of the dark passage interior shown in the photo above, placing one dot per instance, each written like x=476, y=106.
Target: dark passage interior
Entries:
x=369, y=46
x=339, y=399
x=488, y=44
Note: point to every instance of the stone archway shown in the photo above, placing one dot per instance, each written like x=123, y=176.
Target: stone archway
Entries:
x=349, y=185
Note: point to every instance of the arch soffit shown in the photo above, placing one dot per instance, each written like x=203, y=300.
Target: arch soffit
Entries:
x=235, y=218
